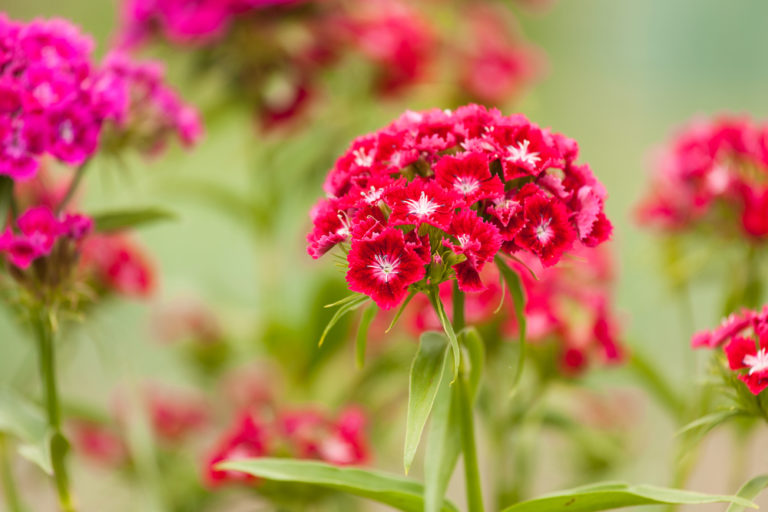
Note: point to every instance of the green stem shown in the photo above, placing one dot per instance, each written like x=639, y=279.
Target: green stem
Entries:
x=10, y=492
x=466, y=418
x=73, y=186
x=58, y=444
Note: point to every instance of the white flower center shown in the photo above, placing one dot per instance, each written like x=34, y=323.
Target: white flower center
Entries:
x=463, y=239
x=544, y=231
x=757, y=363
x=422, y=207
x=362, y=158
x=66, y=131
x=344, y=229
x=521, y=153
x=384, y=266
x=373, y=195
x=466, y=184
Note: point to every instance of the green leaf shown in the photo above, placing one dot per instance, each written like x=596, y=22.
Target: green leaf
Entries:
x=6, y=199
x=362, y=333
x=118, y=220
x=427, y=371
x=610, y=495
x=400, y=310
x=345, y=308
x=26, y=422
x=710, y=421
x=437, y=304
x=443, y=445
x=471, y=339
x=515, y=285
x=400, y=493
x=749, y=491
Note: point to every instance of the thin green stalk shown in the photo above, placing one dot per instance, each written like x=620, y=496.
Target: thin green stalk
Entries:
x=58, y=443
x=466, y=416
x=73, y=186
x=12, y=500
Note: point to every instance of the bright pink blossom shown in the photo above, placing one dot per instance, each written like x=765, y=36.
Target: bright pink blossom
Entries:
x=118, y=264
x=744, y=354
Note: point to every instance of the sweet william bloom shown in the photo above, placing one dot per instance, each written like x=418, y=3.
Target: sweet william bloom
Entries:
x=744, y=354
x=99, y=443
x=247, y=439
x=175, y=416
x=731, y=326
x=39, y=230
x=118, y=265
x=458, y=187
x=384, y=267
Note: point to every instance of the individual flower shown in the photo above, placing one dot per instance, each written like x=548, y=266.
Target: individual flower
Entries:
x=744, y=354
x=175, y=415
x=437, y=194
x=384, y=267
x=99, y=443
x=247, y=439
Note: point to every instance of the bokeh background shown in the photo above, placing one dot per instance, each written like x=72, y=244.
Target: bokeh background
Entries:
x=621, y=77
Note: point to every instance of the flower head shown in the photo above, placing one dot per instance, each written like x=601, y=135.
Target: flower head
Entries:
x=437, y=194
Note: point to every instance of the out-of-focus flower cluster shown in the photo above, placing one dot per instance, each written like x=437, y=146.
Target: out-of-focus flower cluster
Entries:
x=55, y=101
x=570, y=304
x=744, y=338
x=300, y=433
x=66, y=249
x=275, y=51
x=714, y=177
x=437, y=194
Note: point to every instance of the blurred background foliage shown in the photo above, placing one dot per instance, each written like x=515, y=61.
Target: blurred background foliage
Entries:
x=620, y=77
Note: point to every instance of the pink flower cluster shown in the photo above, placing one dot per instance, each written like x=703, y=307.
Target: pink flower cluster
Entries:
x=570, y=304
x=38, y=232
x=437, y=194
x=55, y=101
x=115, y=263
x=744, y=338
x=305, y=434
x=714, y=171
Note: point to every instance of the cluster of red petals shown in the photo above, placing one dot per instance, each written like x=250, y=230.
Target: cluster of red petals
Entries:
x=437, y=194
x=744, y=338
x=570, y=304
x=713, y=172
x=55, y=101
x=37, y=232
x=98, y=443
x=116, y=263
x=304, y=434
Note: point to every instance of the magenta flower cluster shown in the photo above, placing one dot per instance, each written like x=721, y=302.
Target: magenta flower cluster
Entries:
x=55, y=101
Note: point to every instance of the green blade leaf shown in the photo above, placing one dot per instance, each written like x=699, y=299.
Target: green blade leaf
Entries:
x=400, y=493
x=437, y=304
x=345, y=308
x=362, y=334
x=610, y=495
x=515, y=285
x=426, y=373
x=26, y=422
x=400, y=310
x=472, y=341
x=710, y=421
x=443, y=445
x=749, y=491
x=118, y=220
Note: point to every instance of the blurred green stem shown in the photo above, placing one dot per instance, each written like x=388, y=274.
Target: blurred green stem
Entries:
x=466, y=417
x=44, y=332
x=73, y=186
x=12, y=500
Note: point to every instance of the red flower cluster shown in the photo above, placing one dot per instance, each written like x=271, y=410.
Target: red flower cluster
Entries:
x=570, y=304
x=745, y=339
x=55, y=101
x=117, y=264
x=712, y=172
x=436, y=194
x=305, y=434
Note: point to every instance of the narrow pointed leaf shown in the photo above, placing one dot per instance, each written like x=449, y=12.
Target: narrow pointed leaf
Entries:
x=749, y=491
x=437, y=304
x=515, y=285
x=400, y=493
x=710, y=421
x=362, y=334
x=26, y=422
x=343, y=310
x=472, y=341
x=443, y=446
x=426, y=373
x=611, y=495
x=118, y=220
x=400, y=310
